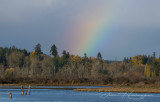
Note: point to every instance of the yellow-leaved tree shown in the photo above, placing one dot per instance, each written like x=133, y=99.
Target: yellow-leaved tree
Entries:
x=147, y=71
x=137, y=60
x=153, y=73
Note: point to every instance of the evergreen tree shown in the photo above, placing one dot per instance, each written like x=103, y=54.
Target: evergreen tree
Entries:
x=54, y=50
x=1, y=55
x=85, y=55
x=149, y=61
x=99, y=56
x=63, y=58
x=38, y=49
x=64, y=53
x=67, y=55
x=154, y=54
x=126, y=60
x=144, y=59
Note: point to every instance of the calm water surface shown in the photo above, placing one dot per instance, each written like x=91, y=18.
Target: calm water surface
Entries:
x=56, y=95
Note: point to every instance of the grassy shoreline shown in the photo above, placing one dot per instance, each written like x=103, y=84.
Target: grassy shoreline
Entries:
x=122, y=89
x=113, y=88
x=83, y=84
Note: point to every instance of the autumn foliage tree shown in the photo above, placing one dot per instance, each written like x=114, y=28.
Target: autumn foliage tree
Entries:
x=19, y=65
x=137, y=60
x=147, y=70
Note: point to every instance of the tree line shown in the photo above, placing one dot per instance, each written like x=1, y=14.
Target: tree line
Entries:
x=21, y=66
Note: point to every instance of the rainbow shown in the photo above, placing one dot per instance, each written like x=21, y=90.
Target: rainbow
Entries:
x=89, y=32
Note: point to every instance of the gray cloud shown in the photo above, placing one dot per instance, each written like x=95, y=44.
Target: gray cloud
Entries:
x=136, y=23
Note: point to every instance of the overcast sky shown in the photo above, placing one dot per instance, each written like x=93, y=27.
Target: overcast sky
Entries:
x=133, y=28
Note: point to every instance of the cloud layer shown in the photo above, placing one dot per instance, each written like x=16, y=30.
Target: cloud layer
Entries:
x=134, y=27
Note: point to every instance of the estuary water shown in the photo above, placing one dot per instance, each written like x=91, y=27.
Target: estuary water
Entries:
x=67, y=94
